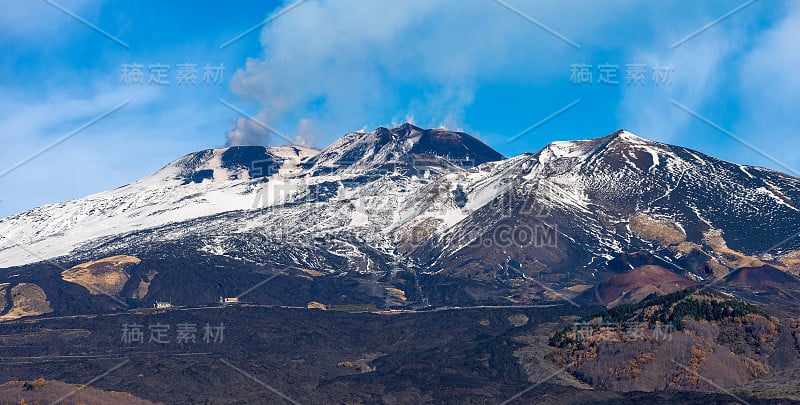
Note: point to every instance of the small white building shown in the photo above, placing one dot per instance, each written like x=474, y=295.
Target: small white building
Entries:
x=229, y=300
x=160, y=304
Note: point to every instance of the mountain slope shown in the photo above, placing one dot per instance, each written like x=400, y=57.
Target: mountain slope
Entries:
x=403, y=213
x=359, y=151
x=196, y=185
x=575, y=205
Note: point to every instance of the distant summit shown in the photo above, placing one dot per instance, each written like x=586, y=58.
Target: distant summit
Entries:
x=418, y=217
x=362, y=151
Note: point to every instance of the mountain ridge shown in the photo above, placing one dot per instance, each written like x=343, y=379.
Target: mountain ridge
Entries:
x=405, y=216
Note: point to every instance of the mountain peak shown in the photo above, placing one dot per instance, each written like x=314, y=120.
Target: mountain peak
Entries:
x=625, y=135
x=582, y=148
x=232, y=163
x=407, y=127
x=383, y=145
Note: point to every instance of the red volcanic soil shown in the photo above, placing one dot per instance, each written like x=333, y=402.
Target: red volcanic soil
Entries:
x=637, y=284
x=760, y=277
x=50, y=391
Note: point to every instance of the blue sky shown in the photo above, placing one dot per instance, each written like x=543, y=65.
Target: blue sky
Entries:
x=322, y=68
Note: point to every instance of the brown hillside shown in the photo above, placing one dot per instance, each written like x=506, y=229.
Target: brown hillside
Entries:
x=41, y=391
x=760, y=277
x=635, y=285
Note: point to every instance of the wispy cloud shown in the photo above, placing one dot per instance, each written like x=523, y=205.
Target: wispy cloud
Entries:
x=127, y=145
x=699, y=68
x=36, y=21
x=768, y=88
x=354, y=63
x=332, y=66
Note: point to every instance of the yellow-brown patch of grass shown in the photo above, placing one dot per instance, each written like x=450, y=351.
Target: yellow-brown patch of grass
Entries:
x=579, y=288
x=104, y=276
x=662, y=231
x=396, y=293
x=317, y=305
x=28, y=300
x=3, y=287
x=728, y=256
x=144, y=286
x=687, y=247
x=312, y=273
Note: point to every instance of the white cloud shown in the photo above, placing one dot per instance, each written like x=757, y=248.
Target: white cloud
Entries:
x=737, y=75
x=38, y=21
x=249, y=131
x=355, y=63
x=128, y=144
x=351, y=63
x=740, y=78
x=28, y=116
x=769, y=90
x=699, y=68
x=306, y=132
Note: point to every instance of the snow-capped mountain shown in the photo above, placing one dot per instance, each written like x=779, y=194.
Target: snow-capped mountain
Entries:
x=434, y=214
x=197, y=185
x=360, y=152
x=215, y=181
x=583, y=205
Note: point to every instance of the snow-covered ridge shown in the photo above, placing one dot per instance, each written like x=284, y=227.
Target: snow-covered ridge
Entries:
x=214, y=181
x=173, y=193
x=225, y=167
x=390, y=182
